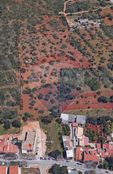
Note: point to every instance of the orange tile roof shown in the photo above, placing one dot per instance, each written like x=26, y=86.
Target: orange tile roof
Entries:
x=11, y=148
x=13, y=170
x=78, y=154
x=1, y=146
x=90, y=155
x=3, y=169
x=8, y=147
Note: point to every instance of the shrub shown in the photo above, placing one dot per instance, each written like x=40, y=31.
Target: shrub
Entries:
x=102, y=99
x=94, y=84
x=16, y=124
x=7, y=124
x=66, y=130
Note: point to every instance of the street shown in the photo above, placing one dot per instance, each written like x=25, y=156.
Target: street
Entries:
x=45, y=164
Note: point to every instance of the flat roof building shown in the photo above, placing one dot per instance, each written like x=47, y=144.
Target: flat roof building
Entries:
x=67, y=142
x=70, y=154
x=71, y=118
x=68, y=118
x=33, y=139
x=81, y=119
x=29, y=141
x=79, y=132
x=68, y=146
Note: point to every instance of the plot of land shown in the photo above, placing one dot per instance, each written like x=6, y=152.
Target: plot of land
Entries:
x=30, y=170
x=50, y=65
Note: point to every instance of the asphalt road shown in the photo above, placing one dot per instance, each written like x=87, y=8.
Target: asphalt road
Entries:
x=44, y=164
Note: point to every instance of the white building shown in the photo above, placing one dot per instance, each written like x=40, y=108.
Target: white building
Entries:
x=68, y=118
x=29, y=142
x=68, y=146
x=71, y=118
x=70, y=154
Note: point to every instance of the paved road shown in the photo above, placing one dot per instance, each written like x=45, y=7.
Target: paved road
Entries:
x=45, y=164
x=102, y=171
x=71, y=164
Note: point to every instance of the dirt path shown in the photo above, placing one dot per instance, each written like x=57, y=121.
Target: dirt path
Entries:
x=9, y=107
x=9, y=86
x=87, y=11
x=78, y=13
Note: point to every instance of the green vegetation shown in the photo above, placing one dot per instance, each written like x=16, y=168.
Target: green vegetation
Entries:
x=26, y=116
x=108, y=30
x=10, y=131
x=58, y=128
x=7, y=78
x=101, y=120
x=107, y=164
x=10, y=96
x=9, y=42
x=66, y=130
x=81, y=79
x=107, y=126
x=92, y=135
x=30, y=9
x=94, y=84
x=74, y=43
x=103, y=99
x=23, y=30
x=56, y=169
x=16, y=124
x=55, y=154
x=85, y=5
x=54, y=139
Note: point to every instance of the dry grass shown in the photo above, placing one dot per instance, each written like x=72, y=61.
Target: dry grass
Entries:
x=53, y=136
x=30, y=170
x=9, y=131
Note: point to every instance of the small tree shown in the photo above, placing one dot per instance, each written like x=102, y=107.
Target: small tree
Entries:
x=16, y=124
x=105, y=164
x=66, y=130
x=7, y=124
x=26, y=116
x=102, y=99
x=55, y=154
x=46, y=119
x=56, y=169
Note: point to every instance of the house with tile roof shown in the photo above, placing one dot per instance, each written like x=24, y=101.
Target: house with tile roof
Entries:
x=14, y=170
x=78, y=153
x=3, y=170
x=82, y=147
x=90, y=155
x=6, y=146
x=76, y=136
